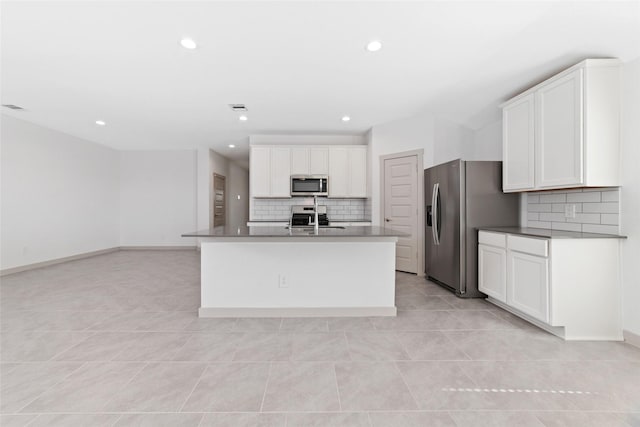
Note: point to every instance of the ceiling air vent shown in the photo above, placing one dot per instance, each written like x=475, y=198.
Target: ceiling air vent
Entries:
x=13, y=107
x=238, y=107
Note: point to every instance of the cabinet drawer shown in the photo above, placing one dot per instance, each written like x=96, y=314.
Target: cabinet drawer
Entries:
x=528, y=245
x=493, y=239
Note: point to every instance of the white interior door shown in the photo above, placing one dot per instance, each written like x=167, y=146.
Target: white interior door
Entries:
x=401, y=208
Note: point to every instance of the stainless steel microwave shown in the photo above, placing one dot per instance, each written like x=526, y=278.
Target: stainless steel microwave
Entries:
x=309, y=185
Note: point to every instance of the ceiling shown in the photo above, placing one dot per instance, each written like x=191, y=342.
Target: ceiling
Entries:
x=299, y=66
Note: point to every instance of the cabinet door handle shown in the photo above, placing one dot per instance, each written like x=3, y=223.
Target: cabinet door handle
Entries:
x=387, y=219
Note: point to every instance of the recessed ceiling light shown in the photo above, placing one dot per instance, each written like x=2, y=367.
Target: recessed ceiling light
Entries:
x=188, y=43
x=243, y=118
x=346, y=118
x=374, y=46
x=232, y=146
x=101, y=122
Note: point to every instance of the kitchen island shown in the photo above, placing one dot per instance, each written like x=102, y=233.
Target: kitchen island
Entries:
x=280, y=272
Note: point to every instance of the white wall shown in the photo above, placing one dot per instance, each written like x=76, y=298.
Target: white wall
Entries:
x=157, y=197
x=413, y=133
x=63, y=196
x=630, y=194
x=441, y=140
x=487, y=143
x=451, y=141
x=307, y=139
x=238, y=186
x=59, y=195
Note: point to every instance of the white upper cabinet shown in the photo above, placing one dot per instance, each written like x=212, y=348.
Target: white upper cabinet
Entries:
x=299, y=161
x=339, y=172
x=358, y=171
x=309, y=161
x=566, y=127
x=271, y=168
x=270, y=172
x=348, y=171
x=518, y=144
x=318, y=161
x=559, y=151
x=280, y=172
x=260, y=168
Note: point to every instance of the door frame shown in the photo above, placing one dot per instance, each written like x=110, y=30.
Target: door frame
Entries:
x=419, y=154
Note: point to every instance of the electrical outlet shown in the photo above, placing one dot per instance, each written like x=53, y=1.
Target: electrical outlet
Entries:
x=569, y=211
x=282, y=281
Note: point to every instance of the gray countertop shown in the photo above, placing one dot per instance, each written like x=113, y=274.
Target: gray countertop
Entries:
x=286, y=221
x=261, y=231
x=550, y=234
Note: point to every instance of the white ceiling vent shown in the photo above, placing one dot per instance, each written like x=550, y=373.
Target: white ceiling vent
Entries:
x=13, y=107
x=238, y=107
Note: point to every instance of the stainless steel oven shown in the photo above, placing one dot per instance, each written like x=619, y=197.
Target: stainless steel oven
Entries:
x=309, y=185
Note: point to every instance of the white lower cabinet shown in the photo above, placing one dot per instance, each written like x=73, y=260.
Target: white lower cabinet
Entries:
x=528, y=284
x=567, y=286
x=492, y=268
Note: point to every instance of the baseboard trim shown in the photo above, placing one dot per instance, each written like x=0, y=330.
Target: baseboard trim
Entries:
x=555, y=330
x=631, y=338
x=36, y=265
x=558, y=331
x=158, y=248
x=42, y=264
x=296, y=311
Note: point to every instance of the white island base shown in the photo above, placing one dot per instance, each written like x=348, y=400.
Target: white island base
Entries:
x=298, y=277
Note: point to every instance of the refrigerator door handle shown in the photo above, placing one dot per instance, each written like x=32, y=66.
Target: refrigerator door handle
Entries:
x=435, y=211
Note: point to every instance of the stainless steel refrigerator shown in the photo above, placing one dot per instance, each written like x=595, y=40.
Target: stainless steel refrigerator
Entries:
x=461, y=196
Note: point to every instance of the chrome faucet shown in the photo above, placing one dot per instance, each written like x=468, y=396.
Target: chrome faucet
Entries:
x=315, y=214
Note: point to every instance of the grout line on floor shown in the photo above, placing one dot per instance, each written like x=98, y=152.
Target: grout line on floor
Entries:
x=54, y=385
x=266, y=386
x=335, y=377
x=448, y=338
x=404, y=381
x=130, y=379
x=369, y=418
x=52, y=358
x=195, y=385
x=115, y=422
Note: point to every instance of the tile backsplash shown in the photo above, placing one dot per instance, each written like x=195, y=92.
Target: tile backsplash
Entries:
x=597, y=210
x=337, y=209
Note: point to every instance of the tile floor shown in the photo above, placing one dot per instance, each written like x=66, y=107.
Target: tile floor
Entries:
x=114, y=340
